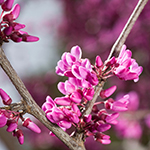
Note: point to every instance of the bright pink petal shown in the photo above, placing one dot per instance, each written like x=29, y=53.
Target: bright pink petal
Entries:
x=70, y=59
x=70, y=88
x=76, y=51
x=64, y=101
x=61, y=88
x=106, y=93
x=15, y=11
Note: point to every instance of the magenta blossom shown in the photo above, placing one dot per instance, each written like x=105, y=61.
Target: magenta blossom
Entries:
x=125, y=67
x=63, y=116
x=119, y=105
x=10, y=119
x=71, y=65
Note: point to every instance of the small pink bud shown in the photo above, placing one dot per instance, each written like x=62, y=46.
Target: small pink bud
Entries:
x=19, y=134
x=3, y=120
x=31, y=125
x=102, y=138
x=29, y=38
x=7, y=5
x=5, y=97
x=106, y=93
x=12, y=125
x=98, y=62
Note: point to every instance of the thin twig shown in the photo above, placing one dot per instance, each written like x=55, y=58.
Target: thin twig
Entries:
x=127, y=28
x=31, y=106
x=89, y=107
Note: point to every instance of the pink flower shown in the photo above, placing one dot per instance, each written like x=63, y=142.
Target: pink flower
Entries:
x=68, y=60
x=119, y=105
x=71, y=65
x=125, y=67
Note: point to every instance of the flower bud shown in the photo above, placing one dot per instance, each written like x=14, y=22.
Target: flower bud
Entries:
x=98, y=62
x=7, y=5
x=31, y=125
x=106, y=93
x=12, y=125
x=5, y=97
x=19, y=134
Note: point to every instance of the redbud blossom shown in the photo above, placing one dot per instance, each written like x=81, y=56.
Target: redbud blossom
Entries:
x=125, y=67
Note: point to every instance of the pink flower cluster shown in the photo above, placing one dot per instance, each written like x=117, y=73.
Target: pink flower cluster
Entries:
x=11, y=118
x=11, y=29
x=79, y=89
x=71, y=65
x=125, y=67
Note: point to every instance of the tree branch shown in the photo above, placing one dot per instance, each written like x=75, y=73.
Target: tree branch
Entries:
x=89, y=106
x=127, y=28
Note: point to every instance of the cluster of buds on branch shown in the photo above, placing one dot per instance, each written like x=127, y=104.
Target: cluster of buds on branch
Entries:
x=10, y=119
x=79, y=89
x=9, y=28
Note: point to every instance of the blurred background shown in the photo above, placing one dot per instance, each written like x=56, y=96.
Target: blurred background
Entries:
x=94, y=25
